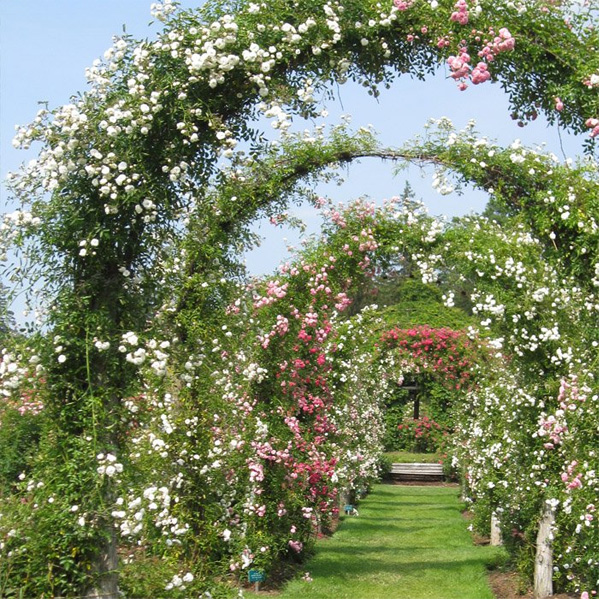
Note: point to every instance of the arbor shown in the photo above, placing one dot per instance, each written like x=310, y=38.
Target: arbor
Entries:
x=152, y=150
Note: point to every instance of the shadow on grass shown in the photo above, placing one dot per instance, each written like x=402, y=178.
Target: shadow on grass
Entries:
x=411, y=490
x=393, y=506
x=397, y=525
x=375, y=563
x=410, y=541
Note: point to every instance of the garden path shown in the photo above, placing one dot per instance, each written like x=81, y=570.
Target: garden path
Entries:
x=406, y=542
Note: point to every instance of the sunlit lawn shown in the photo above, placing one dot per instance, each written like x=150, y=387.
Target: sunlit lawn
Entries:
x=412, y=457
x=407, y=542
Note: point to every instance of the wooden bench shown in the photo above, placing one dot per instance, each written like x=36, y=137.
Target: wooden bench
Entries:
x=417, y=471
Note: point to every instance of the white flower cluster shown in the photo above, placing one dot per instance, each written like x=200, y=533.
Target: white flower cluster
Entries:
x=100, y=345
x=210, y=52
x=448, y=299
x=137, y=356
x=442, y=184
x=12, y=226
x=108, y=465
x=254, y=372
x=178, y=582
x=84, y=248
x=153, y=350
x=432, y=230
x=487, y=306
x=11, y=373
x=153, y=507
x=163, y=9
x=19, y=218
x=55, y=163
x=158, y=356
x=427, y=265
x=281, y=119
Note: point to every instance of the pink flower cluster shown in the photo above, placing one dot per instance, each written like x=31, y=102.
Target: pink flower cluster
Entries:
x=296, y=338
x=369, y=244
x=281, y=328
x=480, y=73
x=27, y=402
x=461, y=14
x=589, y=517
x=503, y=42
x=553, y=429
x=569, y=393
x=459, y=65
x=593, y=125
x=575, y=482
x=343, y=301
x=337, y=218
x=402, y=4
x=256, y=471
x=444, y=351
x=278, y=220
x=275, y=290
x=31, y=406
x=266, y=451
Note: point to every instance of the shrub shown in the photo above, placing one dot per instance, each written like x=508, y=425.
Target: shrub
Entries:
x=421, y=435
x=19, y=438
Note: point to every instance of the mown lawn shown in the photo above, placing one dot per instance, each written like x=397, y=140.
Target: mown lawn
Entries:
x=407, y=542
x=401, y=456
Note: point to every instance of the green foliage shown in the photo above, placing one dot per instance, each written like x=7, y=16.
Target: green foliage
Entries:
x=396, y=411
x=406, y=302
x=384, y=466
x=439, y=402
x=46, y=555
x=19, y=439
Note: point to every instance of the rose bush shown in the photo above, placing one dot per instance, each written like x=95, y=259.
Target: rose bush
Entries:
x=420, y=435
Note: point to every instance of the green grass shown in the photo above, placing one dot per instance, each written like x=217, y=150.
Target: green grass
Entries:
x=401, y=456
x=407, y=542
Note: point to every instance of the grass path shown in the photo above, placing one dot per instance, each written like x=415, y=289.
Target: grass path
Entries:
x=407, y=542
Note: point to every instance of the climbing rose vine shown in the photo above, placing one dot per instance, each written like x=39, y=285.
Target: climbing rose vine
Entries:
x=446, y=353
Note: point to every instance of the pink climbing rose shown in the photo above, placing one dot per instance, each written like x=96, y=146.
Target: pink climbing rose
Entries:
x=480, y=73
x=558, y=104
x=461, y=15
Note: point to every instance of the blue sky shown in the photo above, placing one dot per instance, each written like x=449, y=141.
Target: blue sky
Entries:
x=45, y=46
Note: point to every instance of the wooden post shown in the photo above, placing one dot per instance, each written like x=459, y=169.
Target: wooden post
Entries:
x=495, y=533
x=417, y=398
x=542, y=577
x=106, y=565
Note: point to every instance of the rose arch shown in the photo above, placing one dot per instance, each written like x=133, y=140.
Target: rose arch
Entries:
x=134, y=213
x=433, y=367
